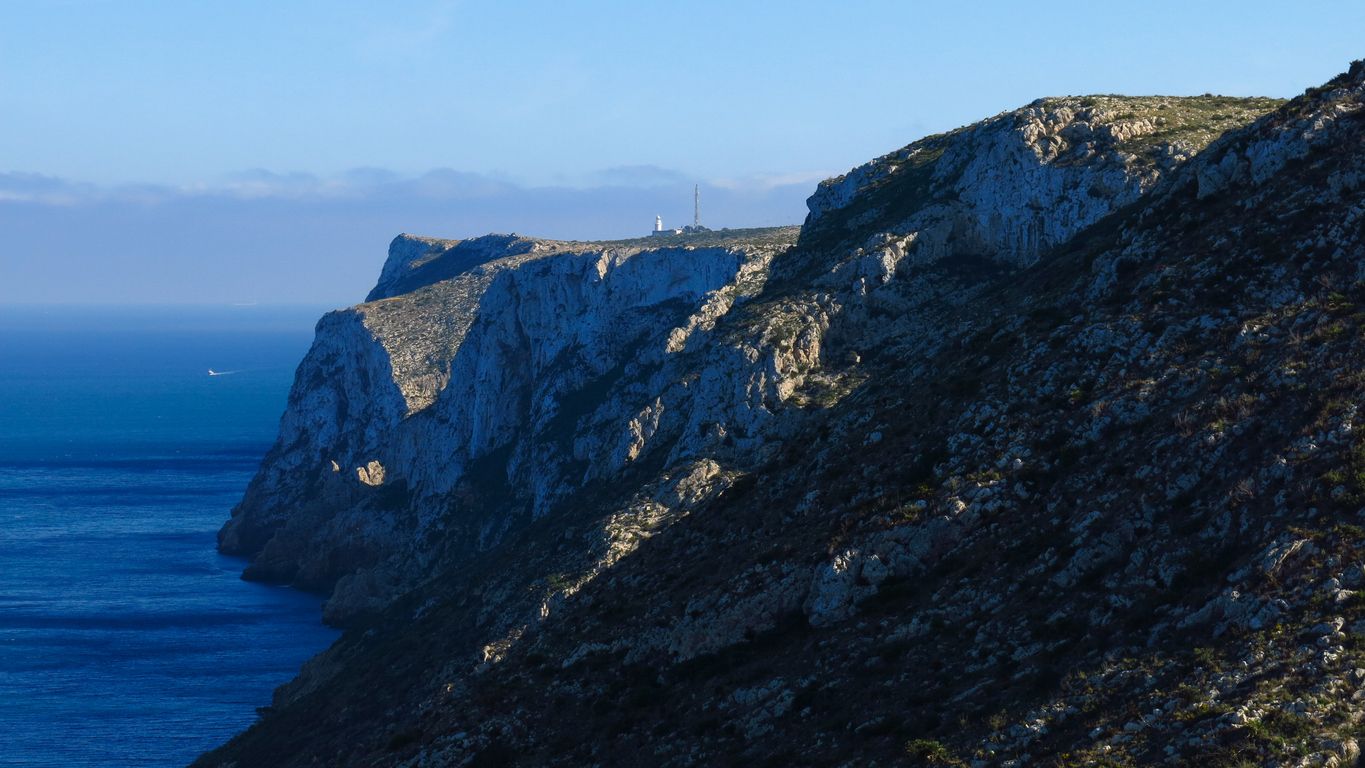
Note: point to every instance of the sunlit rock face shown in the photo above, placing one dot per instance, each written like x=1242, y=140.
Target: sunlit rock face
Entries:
x=535, y=365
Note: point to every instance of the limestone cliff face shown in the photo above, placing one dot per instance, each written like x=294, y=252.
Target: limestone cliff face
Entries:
x=1040, y=440
x=344, y=400
x=485, y=381
x=446, y=409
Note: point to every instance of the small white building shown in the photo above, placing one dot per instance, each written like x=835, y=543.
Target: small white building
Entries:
x=659, y=228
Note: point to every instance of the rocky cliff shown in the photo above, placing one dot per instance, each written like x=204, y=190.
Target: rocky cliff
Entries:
x=1035, y=447
x=481, y=383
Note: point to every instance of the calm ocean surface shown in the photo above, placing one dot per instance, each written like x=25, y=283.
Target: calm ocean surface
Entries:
x=125, y=639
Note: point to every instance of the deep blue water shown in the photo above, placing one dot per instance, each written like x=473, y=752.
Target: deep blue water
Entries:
x=125, y=639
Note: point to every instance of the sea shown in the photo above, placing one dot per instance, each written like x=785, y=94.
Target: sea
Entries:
x=125, y=638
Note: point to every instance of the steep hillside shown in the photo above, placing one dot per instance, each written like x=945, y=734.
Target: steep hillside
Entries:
x=1037, y=447
x=485, y=381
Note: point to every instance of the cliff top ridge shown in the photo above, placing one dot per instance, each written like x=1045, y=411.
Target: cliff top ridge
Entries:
x=415, y=260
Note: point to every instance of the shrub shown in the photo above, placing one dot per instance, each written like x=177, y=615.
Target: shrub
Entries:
x=930, y=752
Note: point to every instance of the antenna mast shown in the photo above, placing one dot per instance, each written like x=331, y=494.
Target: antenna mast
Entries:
x=696, y=205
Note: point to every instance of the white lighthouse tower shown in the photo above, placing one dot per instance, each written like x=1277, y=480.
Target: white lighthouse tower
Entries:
x=658, y=224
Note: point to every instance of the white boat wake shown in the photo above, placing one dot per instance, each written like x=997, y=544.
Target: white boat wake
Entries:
x=221, y=373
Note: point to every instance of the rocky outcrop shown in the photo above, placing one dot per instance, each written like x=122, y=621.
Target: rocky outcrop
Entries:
x=415, y=262
x=1015, y=185
x=1257, y=154
x=1039, y=441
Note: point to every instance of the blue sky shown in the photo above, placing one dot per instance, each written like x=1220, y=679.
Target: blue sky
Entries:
x=151, y=142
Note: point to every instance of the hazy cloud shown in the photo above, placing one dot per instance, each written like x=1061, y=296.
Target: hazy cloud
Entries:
x=46, y=190
x=640, y=176
x=771, y=181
